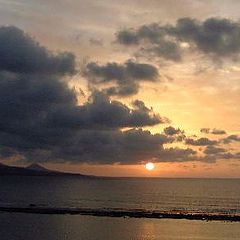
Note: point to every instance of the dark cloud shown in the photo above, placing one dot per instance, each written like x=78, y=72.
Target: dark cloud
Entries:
x=213, y=150
x=107, y=147
x=38, y=110
x=222, y=155
x=213, y=131
x=215, y=37
x=26, y=103
x=127, y=37
x=21, y=54
x=100, y=112
x=218, y=131
x=167, y=49
x=41, y=120
x=231, y=138
x=178, y=155
x=176, y=133
x=200, y=142
x=229, y=155
x=172, y=131
x=125, y=76
x=153, y=39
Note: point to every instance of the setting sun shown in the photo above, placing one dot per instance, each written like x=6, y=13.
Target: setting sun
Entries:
x=149, y=166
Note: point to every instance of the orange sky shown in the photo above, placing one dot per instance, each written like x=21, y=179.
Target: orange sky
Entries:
x=197, y=92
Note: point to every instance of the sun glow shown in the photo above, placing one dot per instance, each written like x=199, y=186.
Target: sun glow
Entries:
x=149, y=166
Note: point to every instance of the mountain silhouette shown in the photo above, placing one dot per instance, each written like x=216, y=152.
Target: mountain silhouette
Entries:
x=35, y=170
x=38, y=167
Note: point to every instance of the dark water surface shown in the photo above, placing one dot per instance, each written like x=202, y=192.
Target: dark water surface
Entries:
x=208, y=196
x=18, y=226
x=188, y=195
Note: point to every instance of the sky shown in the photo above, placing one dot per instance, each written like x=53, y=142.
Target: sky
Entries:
x=103, y=87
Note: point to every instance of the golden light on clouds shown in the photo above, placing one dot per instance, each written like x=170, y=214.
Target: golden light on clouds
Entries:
x=121, y=80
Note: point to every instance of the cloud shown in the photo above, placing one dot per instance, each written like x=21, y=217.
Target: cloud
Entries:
x=218, y=131
x=40, y=111
x=230, y=155
x=20, y=53
x=213, y=131
x=127, y=37
x=231, y=138
x=217, y=36
x=209, y=150
x=214, y=37
x=132, y=146
x=175, y=133
x=172, y=131
x=205, y=130
x=27, y=101
x=153, y=41
x=126, y=76
x=100, y=112
x=42, y=121
x=178, y=155
x=96, y=42
x=200, y=142
x=221, y=155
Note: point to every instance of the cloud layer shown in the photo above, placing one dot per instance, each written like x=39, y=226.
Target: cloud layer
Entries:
x=126, y=77
x=214, y=37
x=42, y=120
x=19, y=53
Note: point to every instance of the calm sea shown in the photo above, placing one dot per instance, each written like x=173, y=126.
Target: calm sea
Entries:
x=188, y=195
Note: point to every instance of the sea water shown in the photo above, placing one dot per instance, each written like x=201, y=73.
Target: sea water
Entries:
x=218, y=196
x=193, y=195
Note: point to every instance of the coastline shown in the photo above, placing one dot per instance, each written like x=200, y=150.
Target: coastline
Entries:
x=130, y=213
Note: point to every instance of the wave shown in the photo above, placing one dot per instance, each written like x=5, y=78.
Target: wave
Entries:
x=117, y=212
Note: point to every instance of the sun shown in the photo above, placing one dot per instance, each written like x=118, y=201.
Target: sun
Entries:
x=149, y=166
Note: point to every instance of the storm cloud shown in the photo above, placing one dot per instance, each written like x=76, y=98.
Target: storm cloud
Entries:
x=214, y=37
x=42, y=120
x=126, y=77
x=101, y=112
x=19, y=53
x=152, y=41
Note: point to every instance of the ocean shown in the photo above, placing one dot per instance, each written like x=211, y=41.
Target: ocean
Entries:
x=188, y=196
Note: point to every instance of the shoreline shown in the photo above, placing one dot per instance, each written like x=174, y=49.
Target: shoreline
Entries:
x=135, y=213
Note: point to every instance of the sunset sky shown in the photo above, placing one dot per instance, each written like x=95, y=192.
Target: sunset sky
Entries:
x=103, y=87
